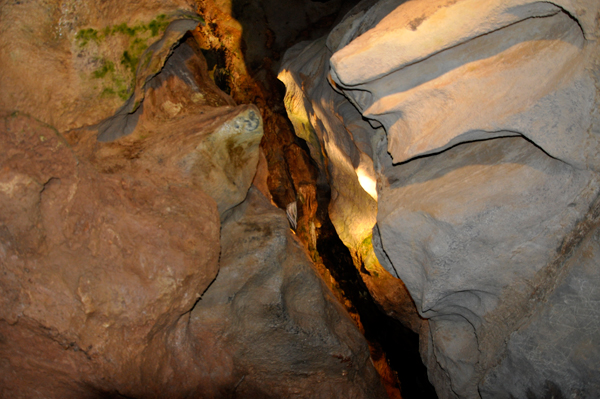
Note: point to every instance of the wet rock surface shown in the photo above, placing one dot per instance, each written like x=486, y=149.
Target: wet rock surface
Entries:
x=484, y=170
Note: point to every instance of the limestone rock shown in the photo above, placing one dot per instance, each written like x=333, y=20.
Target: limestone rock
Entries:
x=449, y=52
x=152, y=62
x=185, y=127
x=466, y=266
x=343, y=144
x=484, y=135
x=558, y=346
x=225, y=163
x=315, y=122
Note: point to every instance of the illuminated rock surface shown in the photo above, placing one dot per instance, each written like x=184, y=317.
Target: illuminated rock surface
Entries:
x=483, y=136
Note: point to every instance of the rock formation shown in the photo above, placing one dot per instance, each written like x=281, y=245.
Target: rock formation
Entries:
x=462, y=142
x=136, y=258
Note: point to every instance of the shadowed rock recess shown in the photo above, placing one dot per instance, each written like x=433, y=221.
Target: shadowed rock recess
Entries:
x=442, y=158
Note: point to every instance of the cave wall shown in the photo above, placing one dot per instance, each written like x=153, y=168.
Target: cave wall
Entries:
x=138, y=256
x=461, y=142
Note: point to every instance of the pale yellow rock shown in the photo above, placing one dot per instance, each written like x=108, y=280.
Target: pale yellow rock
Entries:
x=224, y=164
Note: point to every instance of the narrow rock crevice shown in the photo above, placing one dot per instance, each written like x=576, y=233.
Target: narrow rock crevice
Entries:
x=294, y=177
x=387, y=336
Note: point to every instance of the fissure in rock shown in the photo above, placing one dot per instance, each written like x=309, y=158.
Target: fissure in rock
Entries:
x=265, y=199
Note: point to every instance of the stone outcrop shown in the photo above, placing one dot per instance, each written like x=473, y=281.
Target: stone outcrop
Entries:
x=475, y=127
x=90, y=263
x=283, y=332
x=136, y=260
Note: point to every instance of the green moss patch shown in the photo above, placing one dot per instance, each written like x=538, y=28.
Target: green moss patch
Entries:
x=117, y=71
x=150, y=29
x=106, y=67
x=84, y=36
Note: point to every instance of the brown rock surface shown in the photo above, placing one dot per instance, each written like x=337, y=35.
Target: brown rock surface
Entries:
x=282, y=331
x=107, y=246
x=89, y=262
x=72, y=63
x=293, y=178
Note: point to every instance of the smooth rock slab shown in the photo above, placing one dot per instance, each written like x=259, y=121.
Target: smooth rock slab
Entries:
x=442, y=73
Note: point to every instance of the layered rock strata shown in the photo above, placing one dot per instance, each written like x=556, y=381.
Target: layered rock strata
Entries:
x=466, y=135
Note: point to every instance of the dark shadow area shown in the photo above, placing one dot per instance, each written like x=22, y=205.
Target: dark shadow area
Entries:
x=400, y=344
x=551, y=391
x=217, y=68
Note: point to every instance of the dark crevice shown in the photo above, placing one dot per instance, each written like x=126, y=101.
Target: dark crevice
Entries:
x=203, y=292
x=295, y=176
x=216, y=61
x=399, y=343
x=510, y=134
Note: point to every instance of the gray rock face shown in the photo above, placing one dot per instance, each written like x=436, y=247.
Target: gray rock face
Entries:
x=450, y=65
x=485, y=142
x=471, y=239
x=281, y=330
x=559, y=344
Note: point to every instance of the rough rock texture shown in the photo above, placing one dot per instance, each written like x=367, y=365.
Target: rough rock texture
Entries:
x=559, y=344
x=484, y=134
x=244, y=65
x=110, y=225
x=72, y=63
x=89, y=262
x=269, y=310
x=342, y=145
x=529, y=96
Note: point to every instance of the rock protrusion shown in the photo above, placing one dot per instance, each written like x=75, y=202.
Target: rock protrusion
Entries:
x=483, y=135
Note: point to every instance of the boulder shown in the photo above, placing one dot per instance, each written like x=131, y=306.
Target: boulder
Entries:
x=92, y=266
x=279, y=330
x=470, y=231
x=481, y=124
